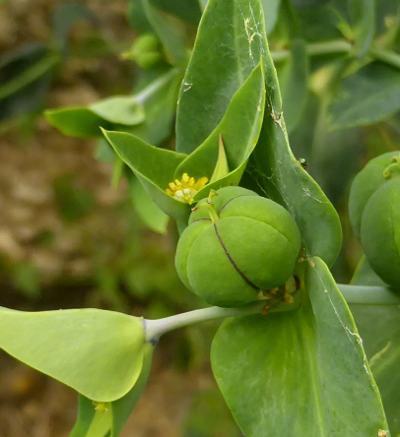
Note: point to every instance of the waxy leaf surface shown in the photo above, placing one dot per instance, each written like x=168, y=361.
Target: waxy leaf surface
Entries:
x=363, y=16
x=370, y=95
x=146, y=209
x=170, y=31
x=293, y=79
x=379, y=327
x=92, y=422
x=98, y=353
x=158, y=94
x=274, y=171
x=228, y=47
x=300, y=373
x=154, y=167
x=239, y=131
x=86, y=121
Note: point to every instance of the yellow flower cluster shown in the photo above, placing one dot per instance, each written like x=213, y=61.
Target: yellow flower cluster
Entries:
x=185, y=189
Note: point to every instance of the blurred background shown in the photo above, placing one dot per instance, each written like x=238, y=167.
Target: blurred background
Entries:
x=75, y=228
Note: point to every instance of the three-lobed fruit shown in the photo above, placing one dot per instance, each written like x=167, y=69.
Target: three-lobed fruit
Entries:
x=375, y=174
x=380, y=232
x=374, y=207
x=236, y=246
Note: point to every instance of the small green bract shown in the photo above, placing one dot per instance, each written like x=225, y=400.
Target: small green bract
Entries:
x=236, y=245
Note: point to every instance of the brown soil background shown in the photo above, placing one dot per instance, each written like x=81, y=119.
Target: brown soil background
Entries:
x=32, y=405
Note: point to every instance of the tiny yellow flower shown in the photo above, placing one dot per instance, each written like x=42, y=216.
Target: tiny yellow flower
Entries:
x=102, y=407
x=185, y=189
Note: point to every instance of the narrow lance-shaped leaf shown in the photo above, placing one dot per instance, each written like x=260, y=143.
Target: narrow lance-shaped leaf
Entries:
x=170, y=30
x=279, y=373
x=154, y=167
x=239, y=131
x=98, y=353
x=363, y=17
x=151, y=215
x=158, y=97
x=274, y=171
x=233, y=29
x=293, y=79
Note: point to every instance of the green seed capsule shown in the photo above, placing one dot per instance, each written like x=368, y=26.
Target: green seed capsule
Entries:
x=236, y=245
x=380, y=231
x=376, y=173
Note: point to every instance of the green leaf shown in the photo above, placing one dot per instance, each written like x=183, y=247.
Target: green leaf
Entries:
x=301, y=373
x=146, y=209
x=153, y=166
x=90, y=423
x=209, y=417
x=228, y=47
x=29, y=75
x=98, y=353
x=363, y=17
x=137, y=17
x=86, y=121
x=293, y=79
x=370, y=95
x=379, y=327
x=111, y=417
x=274, y=171
x=122, y=408
x=239, y=134
x=221, y=168
x=158, y=97
x=271, y=12
x=170, y=30
x=364, y=275
x=66, y=15
x=188, y=10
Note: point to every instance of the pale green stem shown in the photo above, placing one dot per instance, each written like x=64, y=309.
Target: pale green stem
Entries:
x=315, y=49
x=354, y=294
x=369, y=295
x=341, y=46
x=155, y=328
x=386, y=56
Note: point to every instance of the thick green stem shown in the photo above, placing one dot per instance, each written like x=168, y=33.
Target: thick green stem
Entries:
x=369, y=295
x=315, y=49
x=155, y=328
x=386, y=56
x=341, y=46
x=354, y=294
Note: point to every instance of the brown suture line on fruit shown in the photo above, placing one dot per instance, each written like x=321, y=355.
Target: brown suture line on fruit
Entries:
x=245, y=278
x=230, y=200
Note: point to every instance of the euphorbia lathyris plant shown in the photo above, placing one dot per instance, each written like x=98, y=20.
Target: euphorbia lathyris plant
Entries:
x=288, y=359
